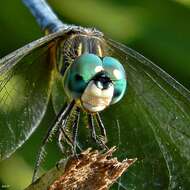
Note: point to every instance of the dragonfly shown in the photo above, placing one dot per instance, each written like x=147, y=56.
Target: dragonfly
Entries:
x=81, y=70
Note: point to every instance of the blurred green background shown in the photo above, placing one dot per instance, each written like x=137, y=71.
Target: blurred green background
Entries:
x=159, y=30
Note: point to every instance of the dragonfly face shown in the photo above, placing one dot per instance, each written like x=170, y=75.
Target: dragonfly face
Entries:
x=91, y=77
x=94, y=81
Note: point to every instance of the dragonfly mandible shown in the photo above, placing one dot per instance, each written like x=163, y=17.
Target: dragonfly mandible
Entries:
x=154, y=99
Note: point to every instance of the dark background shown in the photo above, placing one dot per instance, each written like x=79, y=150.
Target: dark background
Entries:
x=157, y=29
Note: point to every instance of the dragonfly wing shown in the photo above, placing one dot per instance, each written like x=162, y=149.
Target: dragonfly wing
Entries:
x=154, y=119
x=13, y=58
x=59, y=98
x=25, y=85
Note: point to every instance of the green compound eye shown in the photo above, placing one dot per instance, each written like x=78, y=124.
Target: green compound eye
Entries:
x=102, y=73
x=117, y=74
x=80, y=73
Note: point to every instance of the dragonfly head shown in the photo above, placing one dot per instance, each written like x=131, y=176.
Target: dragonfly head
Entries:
x=97, y=82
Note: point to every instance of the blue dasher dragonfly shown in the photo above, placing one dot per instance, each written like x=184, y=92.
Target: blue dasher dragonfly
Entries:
x=155, y=103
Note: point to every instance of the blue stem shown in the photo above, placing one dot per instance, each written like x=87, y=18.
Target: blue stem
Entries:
x=44, y=15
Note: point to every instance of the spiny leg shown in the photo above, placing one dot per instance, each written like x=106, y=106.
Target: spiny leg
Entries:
x=60, y=117
x=69, y=141
x=98, y=141
x=92, y=128
x=102, y=128
x=63, y=135
x=103, y=138
x=93, y=132
x=75, y=129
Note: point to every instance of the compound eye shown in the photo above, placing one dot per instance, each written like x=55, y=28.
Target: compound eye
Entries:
x=78, y=75
x=87, y=65
x=117, y=74
x=114, y=68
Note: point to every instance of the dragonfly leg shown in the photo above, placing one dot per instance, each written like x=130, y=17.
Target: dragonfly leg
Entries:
x=75, y=129
x=98, y=141
x=92, y=128
x=60, y=117
x=102, y=128
x=63, y=135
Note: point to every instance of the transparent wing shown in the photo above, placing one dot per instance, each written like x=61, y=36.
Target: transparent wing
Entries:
x=58, y=96
x=153, y=124
x=25, y=77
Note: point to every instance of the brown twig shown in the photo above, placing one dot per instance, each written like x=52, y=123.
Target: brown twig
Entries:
x=89, y=170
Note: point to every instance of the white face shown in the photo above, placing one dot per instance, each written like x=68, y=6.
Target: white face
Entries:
x=95, y=99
